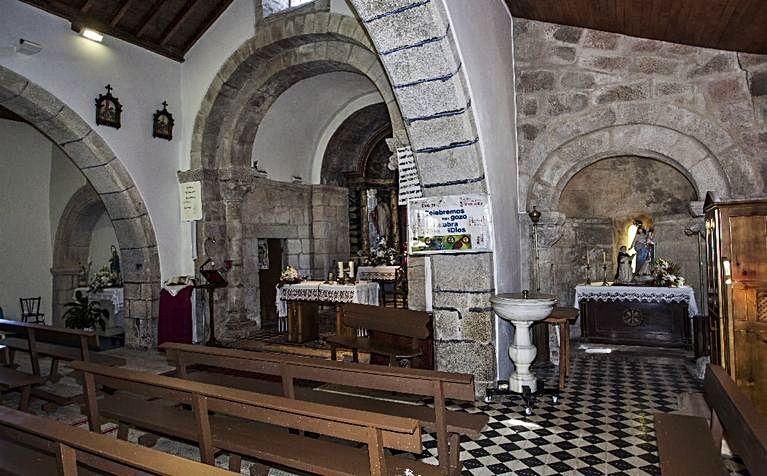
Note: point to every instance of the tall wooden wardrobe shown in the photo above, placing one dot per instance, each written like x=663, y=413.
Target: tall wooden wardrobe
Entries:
x=736, y=243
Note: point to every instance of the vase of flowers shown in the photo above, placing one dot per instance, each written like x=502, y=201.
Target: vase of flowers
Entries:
x=290, y=275
x=667, y=274
x=104, y=278
x=380, y=254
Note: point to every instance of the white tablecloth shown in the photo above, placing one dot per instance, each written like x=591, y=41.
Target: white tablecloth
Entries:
x=380, y=273
x=113, y=295
x=364, y=292
x=683, y=294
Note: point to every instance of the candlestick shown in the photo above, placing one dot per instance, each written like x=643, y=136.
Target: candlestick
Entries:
x=588, y=273
x=588, y=263
x=604, y=275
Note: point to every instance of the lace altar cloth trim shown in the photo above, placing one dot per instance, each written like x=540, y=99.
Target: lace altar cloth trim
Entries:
x=360, y=293
x=381, y=273
x=683, y=294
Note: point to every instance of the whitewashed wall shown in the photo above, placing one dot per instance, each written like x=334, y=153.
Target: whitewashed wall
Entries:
x=76, y=70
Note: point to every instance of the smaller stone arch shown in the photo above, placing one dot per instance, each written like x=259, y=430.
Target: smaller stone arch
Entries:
x=71, y=245
x=685, y=153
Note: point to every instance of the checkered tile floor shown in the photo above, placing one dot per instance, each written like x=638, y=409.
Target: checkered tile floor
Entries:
x=602, y=423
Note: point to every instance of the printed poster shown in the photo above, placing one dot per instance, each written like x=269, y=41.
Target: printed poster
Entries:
x=451, y=224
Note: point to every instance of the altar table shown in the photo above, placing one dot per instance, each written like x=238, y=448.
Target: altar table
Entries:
x=299, y=318
x=636, y=315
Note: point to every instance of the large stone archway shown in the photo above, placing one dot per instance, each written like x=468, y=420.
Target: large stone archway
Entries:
x=418, y=72
x=113, y=186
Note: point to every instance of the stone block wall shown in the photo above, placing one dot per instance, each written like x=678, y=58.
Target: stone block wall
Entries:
x=585, y=95
x=565, y=73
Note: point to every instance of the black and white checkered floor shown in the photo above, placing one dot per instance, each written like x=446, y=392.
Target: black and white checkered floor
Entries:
x=602, y=423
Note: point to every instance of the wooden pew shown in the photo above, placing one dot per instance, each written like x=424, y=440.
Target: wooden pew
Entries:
x=246, y=370
x=401, y=336
x=11, y=379
x=59, y=344
x=688, y=445
x=253, y=425
x=34, y=446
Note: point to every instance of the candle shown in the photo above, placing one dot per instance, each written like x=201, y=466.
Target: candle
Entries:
x=340, y=269
x=604, y=257
x=587, y=257
x=351, y=269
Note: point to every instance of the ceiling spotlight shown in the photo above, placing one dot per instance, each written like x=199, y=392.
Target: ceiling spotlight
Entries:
x=27, y=47
x=89, y=33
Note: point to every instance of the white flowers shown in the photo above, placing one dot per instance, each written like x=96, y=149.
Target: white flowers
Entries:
x=290, y=274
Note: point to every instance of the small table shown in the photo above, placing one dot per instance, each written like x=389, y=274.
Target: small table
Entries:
x=563, y=318
x=297, y=305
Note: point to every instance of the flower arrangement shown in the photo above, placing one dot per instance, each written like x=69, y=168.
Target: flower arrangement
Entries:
x=104, y=278
x=380, y=254
x=667, y=274
x=290, y=275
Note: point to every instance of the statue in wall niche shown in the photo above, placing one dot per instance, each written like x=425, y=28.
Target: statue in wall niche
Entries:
x=114, y=265
x=644, y=245
x=624, y=274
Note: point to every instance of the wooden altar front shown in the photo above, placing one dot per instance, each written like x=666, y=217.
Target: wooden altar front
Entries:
x=627, y=315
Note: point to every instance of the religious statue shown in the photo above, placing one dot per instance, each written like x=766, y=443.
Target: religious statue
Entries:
x=380, y=217
x=644, y=245
x=114, y=265
x=624, y=274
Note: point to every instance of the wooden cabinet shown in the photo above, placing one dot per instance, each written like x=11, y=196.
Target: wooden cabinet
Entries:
x=736, y=244
x=635, y=323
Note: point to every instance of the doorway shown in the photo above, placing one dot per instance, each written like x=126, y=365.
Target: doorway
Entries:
x=270, y=262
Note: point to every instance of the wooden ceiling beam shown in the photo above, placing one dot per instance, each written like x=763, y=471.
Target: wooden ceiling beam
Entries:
x=150, y=16
x=120, y=13
x=217, y=12
x=179, y=20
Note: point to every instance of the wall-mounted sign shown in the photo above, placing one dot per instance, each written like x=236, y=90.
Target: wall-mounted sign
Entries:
x=409, y=181
x=452, y=224
x=191, y=201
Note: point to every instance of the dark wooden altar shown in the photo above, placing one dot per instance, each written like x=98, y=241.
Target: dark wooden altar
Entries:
x=636, y=323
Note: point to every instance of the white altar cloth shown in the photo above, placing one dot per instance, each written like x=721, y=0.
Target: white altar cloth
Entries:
x=682, y=294
x=380, y=273
x=364, y=292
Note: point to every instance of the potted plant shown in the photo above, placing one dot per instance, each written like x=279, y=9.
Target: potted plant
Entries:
x=83, y=314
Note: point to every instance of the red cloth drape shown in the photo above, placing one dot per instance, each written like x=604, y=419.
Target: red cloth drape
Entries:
x=175, y=322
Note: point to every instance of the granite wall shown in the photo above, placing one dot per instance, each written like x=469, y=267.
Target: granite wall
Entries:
x=586, y=95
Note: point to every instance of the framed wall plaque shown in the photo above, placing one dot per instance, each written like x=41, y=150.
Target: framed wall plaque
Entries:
x=108, y=109
x=162, y=123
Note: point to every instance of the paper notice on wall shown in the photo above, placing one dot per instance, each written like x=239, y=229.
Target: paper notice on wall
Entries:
x=451, y=224
x=191, y=201
x=409, y=181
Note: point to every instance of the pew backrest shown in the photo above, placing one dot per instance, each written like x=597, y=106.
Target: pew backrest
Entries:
x=353, y=425
x=744, y=428
x=52, y=335
x=72, y=445
x=421, y=382
x=399, y=322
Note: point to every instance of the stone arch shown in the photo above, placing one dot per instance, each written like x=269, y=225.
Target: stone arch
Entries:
x=700, y=149
x=71, y=245
x=680, y=151
x=114, y=187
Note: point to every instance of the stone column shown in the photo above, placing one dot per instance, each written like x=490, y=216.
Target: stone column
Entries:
x=233, y=324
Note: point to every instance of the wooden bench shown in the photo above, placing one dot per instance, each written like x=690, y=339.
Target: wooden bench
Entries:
x=247, y=424
x=11, y=380
x=247, y=370
x=59, y=344
x=34, y=446
x=688, y=445
x=400, y=336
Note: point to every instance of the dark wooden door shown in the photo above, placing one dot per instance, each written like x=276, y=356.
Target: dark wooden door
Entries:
x=268, y=280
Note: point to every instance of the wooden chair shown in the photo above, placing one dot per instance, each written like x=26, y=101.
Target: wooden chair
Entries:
x=34, y=446
x=398, y=294
x=30, y=310
x=400, y=336
x=252, y=425
x=288, y=375
x=689, y=446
